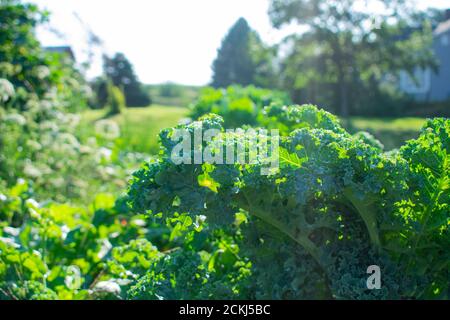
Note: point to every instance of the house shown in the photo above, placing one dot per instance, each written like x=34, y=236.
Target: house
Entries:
x=430, y=86
x=62, y=49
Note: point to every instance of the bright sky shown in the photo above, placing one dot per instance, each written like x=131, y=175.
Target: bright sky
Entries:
x=166, y=40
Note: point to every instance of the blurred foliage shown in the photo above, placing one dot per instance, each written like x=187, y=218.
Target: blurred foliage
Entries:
x=173, y=94
x=349, y=59
x=42, y=146
x=117, y=101
x=101, y=87
x=392, y=132
x=243, y=59
x=40, y=141
x=28, y=67
x=50, y=250
x=120, y=71
x=430, y=109
x=170, y=90
x=139, y=127
x=237, y=105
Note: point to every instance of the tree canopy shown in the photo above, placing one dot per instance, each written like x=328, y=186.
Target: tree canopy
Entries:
x=346, y=53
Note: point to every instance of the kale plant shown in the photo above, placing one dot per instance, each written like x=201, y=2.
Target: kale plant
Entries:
x=310, y=230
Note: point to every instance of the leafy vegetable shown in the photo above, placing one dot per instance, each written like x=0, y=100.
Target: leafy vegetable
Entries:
x=336, y=205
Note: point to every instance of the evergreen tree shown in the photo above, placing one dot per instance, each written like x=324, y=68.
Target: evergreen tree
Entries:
x=242, y=59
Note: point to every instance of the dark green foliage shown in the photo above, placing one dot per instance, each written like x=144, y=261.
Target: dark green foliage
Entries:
x=336, y=205
x=243, y=59
x=19, y=47
x=233, y=64
x=430, y=109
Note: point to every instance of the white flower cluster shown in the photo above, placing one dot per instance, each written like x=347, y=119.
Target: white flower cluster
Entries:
x=107, y=129
x=42, y=72
x=15, y=118
x=6, y=90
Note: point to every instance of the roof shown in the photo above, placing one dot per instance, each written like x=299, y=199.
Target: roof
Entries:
x=61, y=49
x=442, y=28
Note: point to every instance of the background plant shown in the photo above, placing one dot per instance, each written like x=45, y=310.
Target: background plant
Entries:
x=237, y=105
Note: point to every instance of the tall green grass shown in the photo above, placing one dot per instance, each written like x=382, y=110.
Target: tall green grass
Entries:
x=139, y=126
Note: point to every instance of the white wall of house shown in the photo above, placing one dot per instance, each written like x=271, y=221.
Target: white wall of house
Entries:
x=426, y=84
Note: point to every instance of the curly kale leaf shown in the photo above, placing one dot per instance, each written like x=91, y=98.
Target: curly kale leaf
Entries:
x=336, y=205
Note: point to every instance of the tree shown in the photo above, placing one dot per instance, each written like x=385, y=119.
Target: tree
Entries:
x=120, y=70
x=101, y=86
x=347, y=50
x=243, y=59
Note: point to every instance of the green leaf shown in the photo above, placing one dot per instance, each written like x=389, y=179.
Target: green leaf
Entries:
x=290, y=159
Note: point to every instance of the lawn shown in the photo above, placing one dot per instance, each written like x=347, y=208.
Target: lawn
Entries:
x=392, y=132
x=182, y=97
x=401, y=124
x=139, y=126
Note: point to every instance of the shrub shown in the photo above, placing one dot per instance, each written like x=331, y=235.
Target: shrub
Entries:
x=40, y=93
x=116, y=101
x=237, y=105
